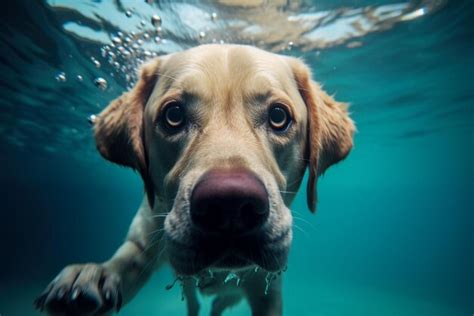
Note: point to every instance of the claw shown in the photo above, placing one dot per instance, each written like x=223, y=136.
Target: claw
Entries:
x=60, y=293
x=75, y=294
x=107, y=296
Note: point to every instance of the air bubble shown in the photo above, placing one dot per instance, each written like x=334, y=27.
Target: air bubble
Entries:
x=157, y=39
x=213, y=16
x=100, y=83
x=211, y=273
x=116, y=40
x=79, y=78
x=103, y=51
x=128, y=13
x=268, y=281
x=232, y=276
x=146, y=36
x=142, y=23
x=91, y=119
x=96, y=62
x=61, y=77
x=202, y=34
x=156, y=20
x=171, y=285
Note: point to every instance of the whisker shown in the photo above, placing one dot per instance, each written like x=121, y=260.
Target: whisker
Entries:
x=296, y=212
x=156, y=231
x=158, y=215
x=288, y=192
x=148, y=265
x=303, y=159
x=301, y=229
x=305, y=221
x=153, y=243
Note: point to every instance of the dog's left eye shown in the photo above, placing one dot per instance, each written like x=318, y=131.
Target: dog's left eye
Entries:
x=279, y=118
x=173, y=115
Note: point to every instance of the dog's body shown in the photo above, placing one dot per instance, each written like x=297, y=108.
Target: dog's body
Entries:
x=221, y=135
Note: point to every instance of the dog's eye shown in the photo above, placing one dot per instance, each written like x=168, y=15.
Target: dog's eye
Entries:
x=279, y=118
x=173, y=115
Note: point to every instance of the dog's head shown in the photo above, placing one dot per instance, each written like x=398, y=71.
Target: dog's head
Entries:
x=222, y=135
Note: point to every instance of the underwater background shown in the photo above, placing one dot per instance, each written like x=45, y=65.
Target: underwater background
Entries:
x=394, y=230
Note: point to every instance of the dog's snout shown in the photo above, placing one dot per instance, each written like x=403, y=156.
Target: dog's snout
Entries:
x=231, y=202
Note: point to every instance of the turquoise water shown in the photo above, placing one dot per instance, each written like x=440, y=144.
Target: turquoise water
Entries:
x=393, y=234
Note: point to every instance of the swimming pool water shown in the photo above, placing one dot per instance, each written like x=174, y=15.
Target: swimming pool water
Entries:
x=393, y=234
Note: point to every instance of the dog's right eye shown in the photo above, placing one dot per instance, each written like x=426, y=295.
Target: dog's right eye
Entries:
x=173, y=115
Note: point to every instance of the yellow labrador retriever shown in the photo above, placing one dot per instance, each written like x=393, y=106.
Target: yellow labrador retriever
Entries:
x=221, y=135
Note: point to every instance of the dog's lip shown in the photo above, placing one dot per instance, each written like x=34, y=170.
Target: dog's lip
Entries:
x=229, y=241
x=232, y=260
x=189, y=259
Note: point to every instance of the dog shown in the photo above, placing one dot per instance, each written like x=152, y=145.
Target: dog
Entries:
x=221, y=136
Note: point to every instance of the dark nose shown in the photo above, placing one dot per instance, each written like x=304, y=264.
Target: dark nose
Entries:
x=231, y=202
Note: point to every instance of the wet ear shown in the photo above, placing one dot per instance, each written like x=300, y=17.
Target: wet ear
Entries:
x=330, y=129
x=119, y=127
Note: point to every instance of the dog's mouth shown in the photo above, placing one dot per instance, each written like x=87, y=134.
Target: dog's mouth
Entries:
x=229, y=254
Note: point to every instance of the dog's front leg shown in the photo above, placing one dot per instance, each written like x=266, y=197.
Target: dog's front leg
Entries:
x=263, y=293
x=99, y=288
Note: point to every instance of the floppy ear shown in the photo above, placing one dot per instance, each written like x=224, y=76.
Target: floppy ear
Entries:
x=119, y=127
x=330, y=129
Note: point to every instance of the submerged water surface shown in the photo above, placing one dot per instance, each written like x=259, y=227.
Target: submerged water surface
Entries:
x=393, y=234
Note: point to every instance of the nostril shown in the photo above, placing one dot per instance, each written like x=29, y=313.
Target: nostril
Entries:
x=253, y=214
x=248, y=209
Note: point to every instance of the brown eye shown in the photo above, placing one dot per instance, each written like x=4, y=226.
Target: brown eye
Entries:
x=173, y=115
x=279, y=118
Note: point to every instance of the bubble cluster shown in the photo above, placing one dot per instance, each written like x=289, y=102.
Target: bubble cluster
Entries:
x=122, y=56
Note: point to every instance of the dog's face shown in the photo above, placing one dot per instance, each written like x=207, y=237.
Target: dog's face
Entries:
x=221, y=135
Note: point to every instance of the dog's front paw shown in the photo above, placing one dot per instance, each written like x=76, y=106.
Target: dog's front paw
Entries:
x=88, y=289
